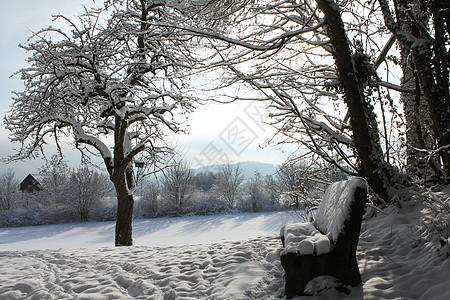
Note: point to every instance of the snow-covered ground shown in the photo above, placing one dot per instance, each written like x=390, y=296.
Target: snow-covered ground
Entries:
x=211, y=257
x=150, y=232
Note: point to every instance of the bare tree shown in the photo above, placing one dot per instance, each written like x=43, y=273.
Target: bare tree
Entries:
x=295, y=182
x=271, y=187
x=316, y=73
x=116, y=88
x=178, y=185
x=85, y=190
x=256, y=192
x=54, y=176
x=227, y=183
x=9, y=188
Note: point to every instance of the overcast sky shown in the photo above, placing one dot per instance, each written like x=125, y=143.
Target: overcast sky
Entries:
x=217, y=132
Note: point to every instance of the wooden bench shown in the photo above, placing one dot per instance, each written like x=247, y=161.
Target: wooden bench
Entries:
x=327, y=246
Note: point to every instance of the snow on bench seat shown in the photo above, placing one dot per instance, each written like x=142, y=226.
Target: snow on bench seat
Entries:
x=304, y=238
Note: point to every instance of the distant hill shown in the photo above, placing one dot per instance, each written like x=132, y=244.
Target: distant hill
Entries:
x=248, y=168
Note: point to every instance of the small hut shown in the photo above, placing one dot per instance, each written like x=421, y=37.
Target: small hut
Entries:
x=31, y=184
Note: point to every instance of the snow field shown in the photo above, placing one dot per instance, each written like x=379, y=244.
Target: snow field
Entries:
x=232, y=270
x=225, y=263
x=147, y=232
x=238, y=259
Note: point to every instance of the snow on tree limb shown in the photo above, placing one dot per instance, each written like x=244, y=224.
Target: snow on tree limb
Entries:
x=272, y=44
x=92, y=82
x=81, y=137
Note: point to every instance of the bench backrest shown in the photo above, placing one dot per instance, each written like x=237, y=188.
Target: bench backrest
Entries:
x=335, y=206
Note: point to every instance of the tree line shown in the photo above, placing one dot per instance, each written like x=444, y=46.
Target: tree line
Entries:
x=61, y=195
x=83, y=194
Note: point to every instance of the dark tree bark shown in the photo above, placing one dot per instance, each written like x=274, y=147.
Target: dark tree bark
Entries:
x=374, y=168
x=440, y=94
x=419, y=133
x=122, y=177
x=125, y=205
x=431, y=61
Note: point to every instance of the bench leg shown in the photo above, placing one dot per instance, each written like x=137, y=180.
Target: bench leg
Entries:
x=299, y=270
x=295, y=285
x=350, y=274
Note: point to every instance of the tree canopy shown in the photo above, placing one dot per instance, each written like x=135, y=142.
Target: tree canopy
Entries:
x=115, y=86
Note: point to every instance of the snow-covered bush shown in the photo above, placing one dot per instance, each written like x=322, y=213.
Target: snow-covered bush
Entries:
x=22, y=217
x=33, y=209
x=256, y=199
x=205, y=180
x=208, y=203
x=436, y=220
x=107, y=210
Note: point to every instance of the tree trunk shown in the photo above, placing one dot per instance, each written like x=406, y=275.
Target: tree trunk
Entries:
x=441, y=90
x=432, y=65
x=374, y=168
x=438, y=103
x=418, y=129
x=125, y=205
x=419, y=133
